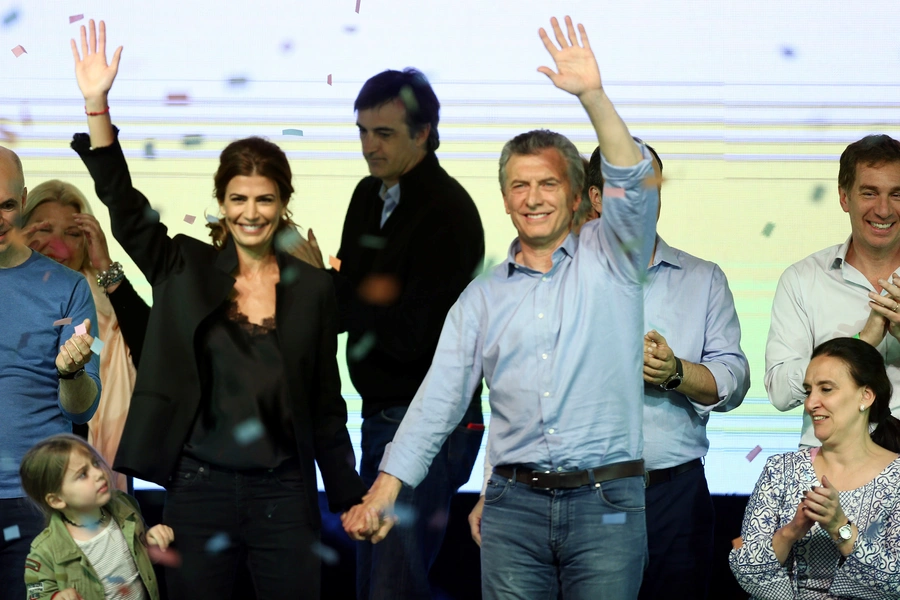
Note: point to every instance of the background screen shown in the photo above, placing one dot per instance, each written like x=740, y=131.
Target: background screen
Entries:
x=749, y=103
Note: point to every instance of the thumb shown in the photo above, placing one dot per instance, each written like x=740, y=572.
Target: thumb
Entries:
x=826, y=483
x=653, y=335
x=311, y=236
x=87, y=326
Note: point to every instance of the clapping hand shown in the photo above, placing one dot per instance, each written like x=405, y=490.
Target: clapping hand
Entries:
x=884, y=309
x=823, y=505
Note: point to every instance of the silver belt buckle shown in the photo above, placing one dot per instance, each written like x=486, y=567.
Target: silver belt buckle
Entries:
x=534, y=479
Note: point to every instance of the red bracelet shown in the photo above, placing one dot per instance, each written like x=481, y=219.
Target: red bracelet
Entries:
x=96, y=114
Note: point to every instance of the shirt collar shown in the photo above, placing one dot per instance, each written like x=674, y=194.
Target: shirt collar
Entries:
x=392, y=193
x=841, y=256
x=665, y=254
x=567, y=248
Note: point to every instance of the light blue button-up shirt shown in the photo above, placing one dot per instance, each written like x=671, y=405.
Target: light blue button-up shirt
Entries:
x=561, y=352
x=687, y=300
x=391, y=197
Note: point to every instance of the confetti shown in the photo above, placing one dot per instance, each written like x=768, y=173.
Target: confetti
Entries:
x=19, y=51
x=74, y=18
x=167, y=558
x=360, y=349
x=614, y=519
x=288, y=240
x=10, y=17
x=23, y=341
x=66, y=321
x=237, y=81
x=97, y=346
x=753, y=453
x=409, y=99
x=335, y=263
x=374, y=242
x=485, y=268
x=380, y=290
x=193, y=139
x=212, y=219
x=787, y=52
x=11, y=533
x=329, y=79
x=349, y=29
x=818, y=193
x=292, y=132
x=613, y=192
x=287, y=46
x=115, y=579
x=439, y=520
x=8, y=463
x=328, y=554
x=151, y=214
x=80, y=329
x=767, y=230
x=189, y=219
x=813, y=452
x=289, y=275
x=178, y=99
x=217, y=543
x=149, y=149
x=406, y=514
x=357, y=6
x=248, y=431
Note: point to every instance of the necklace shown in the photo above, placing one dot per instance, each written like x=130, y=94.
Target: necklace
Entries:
x=103, y=517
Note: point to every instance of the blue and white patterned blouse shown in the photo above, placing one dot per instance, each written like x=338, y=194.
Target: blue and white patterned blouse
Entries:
x=813, y=569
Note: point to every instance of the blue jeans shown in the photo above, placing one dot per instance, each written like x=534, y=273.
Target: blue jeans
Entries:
x=398, y=566
x=586, y=543
x=21, y=513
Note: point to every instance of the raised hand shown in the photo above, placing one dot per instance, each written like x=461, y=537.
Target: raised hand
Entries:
x=95, y=76
x=97, y=248
x=76, y=352
x=576, y=68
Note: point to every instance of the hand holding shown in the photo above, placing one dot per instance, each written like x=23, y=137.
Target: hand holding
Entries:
x=76, y=352
x=97, y=248
x=576, y=67
x=95, y=77
x=823, y=505
x=160, y=535
x=659, y=359
x=475, y=520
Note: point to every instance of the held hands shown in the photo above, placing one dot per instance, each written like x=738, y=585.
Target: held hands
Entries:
x=884, y=313
x=76, y=352
x=95, y=77
x=374, y=518
x=659, y=359
x=823, y=506
x=160, y=535
x=576, y=67
x=475, y=520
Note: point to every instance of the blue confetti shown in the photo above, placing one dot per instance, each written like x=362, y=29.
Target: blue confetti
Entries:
x=328, y=554
x=361, y=349
x=787, y=52
x=97, y=346
x=373, y=242
x=614, y=519
x=11, y=533
x=193, y=139
x=212, y=219
x=818, y=193
x=767, y=230
x=217, y=543
x=237, y=81
x=248, y=431
x=11, y=17
x=292, y=132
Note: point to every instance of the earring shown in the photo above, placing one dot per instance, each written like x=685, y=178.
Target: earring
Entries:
x=862, y=408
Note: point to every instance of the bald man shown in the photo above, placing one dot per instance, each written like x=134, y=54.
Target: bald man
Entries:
x=49, y=376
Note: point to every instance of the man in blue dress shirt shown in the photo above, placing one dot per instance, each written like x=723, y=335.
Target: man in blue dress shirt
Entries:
x=556, y=332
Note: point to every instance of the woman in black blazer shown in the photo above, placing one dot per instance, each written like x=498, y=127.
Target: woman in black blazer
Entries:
x=238, y=394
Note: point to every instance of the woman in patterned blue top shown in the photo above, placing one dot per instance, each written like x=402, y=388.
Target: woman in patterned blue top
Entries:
x=825, y=522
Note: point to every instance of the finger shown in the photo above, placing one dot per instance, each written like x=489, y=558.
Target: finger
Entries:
x=570, y=28
x=654, y=336
x=885, y=312
x=654, y=363
x=585, y=43
x=75, y=353
x=549, y=73
x=558, y=34
x=92, y=47
x=84, y=45
x=475, y=528
x=311, y=237
x=75, y=54
x=549, y=45
x=87, y=326
x=115, y=59
x=102, y=45
x=383, y=530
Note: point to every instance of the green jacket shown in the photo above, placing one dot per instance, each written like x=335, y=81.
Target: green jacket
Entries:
x=56, y=562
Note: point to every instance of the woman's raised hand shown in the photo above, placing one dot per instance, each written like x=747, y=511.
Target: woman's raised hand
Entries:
x=95, y=76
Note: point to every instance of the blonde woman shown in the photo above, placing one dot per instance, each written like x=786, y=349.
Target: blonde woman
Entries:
x=58, y=222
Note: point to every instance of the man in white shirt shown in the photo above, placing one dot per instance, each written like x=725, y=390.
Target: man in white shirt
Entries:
x=844, y=290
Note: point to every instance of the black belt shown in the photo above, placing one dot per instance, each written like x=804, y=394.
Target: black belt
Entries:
x=553, y=480
x=663, y=475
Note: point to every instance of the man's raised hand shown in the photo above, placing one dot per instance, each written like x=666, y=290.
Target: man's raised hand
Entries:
x=576, y=68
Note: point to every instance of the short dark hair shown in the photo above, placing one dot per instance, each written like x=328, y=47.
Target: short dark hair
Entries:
x=871, y=150
x=412, y=88
x=251, y=156
x=866, y=367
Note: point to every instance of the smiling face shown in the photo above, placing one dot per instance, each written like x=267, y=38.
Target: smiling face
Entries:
x=57, y=235
x=12, y=198
x=253, y=212
x=539, y=199
x=833, y=400
x=389, y=149
x=85, y=485
x=873, y=203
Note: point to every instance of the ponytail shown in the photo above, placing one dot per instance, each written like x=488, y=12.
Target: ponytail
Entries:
x=887, y=434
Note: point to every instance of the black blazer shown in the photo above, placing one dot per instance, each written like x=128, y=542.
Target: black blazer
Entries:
x=190, y=280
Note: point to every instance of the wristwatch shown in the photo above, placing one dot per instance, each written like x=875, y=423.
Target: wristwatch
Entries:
x=675, y=379
x=845, y=531
x=72, y=375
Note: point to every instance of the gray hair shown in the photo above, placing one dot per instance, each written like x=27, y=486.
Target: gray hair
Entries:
x=532, y=142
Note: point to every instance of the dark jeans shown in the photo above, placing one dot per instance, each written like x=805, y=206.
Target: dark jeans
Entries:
x=680, y=523
x=16, y=512
x=398, y=566
x=222, y=519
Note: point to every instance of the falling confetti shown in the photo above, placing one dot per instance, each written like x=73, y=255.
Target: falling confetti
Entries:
x=167, y=558
x=97, y=346
x=149, y=150
x=237, y=81
x=192, y=139
x=46, y=276
x=818, y=193
x=379, y=289
x=373, y=242
x=328, y=554
x=178, y=99
x=767, y=230
x=289, y=275
x=753, y=453
x=329, y=79
x=292, y=132
x=13, y=15
x=80, y=329
x=217, y=543
x=335, y=263
x=19, y=51
x=212, y=219
x=613, y=192
x=405, y=514
x=357, y=6
x=409, y=99
x=787, y=52
x=614, y=519
x=23, y=341
x=74, y=18
x=11, y=533
x=247, y=432
x=189, y=219
x=360, y=349
x=66, y=321
x=288, y=240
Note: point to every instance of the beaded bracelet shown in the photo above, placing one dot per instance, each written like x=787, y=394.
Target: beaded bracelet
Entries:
x=114, y=274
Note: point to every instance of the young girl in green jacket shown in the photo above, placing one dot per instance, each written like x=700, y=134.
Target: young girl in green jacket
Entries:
x=95, y=543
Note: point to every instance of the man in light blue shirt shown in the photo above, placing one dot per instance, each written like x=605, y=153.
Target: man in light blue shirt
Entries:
x=556, y=332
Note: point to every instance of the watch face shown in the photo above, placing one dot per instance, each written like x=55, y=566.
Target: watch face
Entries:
x=846, y=532
x=673, y=383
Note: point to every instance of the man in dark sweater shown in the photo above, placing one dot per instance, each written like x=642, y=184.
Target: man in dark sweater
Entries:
x=412, y=241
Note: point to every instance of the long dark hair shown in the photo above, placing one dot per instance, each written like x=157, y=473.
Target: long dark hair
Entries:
x=866, y=367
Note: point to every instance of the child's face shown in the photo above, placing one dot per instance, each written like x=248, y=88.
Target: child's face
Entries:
x=85, y=484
